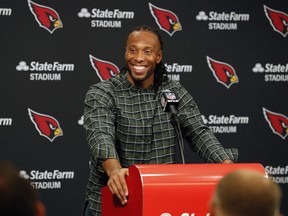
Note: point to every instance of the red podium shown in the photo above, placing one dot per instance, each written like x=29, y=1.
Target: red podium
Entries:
x=170, y=190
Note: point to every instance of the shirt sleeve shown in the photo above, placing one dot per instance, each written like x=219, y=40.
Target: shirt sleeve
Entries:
x=198, y=135
x=99, y=120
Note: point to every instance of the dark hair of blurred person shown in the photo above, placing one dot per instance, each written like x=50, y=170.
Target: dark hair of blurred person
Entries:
x=17, y=196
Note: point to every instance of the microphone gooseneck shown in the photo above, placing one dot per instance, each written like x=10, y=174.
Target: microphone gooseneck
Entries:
x=169, y=103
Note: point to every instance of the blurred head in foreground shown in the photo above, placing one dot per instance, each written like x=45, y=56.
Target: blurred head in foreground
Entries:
x=246, y=193
x=17, y=196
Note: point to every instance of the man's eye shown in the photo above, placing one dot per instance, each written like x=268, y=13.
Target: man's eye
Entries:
x=148, y=52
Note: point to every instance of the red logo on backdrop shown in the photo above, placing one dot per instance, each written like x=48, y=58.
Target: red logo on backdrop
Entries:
x=277, y=122
x=104, y=69
x=46, y=125
x=223, y=72
x=46, y=17
x=278, y=20
x=166, y=20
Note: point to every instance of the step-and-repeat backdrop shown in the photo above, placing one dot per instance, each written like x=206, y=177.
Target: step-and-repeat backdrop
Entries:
x=230, y=55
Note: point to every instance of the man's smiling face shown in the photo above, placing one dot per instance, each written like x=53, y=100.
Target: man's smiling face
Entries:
x=142, y=54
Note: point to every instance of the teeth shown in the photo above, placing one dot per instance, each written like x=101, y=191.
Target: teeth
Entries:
x=139, y=67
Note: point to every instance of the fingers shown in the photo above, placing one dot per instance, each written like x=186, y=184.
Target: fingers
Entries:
x=118, y=186
x=227, y=161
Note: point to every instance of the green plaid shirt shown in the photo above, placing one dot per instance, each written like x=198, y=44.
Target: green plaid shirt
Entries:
x=128, y=123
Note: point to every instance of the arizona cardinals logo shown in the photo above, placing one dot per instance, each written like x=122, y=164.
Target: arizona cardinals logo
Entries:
x=277, y=122
x=166, y=20
x=104, y=69
x=46, y=17
x=223, y=72
x=278, y=20
x=47, y=126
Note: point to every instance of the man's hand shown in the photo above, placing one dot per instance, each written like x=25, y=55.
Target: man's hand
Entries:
x=227, y=161
x=116, y=183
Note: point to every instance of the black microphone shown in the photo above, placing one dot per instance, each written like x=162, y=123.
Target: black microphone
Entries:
x=169, y=101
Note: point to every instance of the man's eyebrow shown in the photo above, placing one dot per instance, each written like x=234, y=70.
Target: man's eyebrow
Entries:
x=146, y=47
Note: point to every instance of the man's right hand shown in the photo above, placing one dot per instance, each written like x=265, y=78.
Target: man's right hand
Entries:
x=116, y=183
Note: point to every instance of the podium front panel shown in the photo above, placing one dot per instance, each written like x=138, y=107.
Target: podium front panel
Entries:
x=170, y=190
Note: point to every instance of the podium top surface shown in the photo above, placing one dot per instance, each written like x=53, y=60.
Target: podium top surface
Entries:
x=188, y=173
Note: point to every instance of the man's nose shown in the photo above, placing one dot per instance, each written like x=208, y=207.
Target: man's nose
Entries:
x=139, y=56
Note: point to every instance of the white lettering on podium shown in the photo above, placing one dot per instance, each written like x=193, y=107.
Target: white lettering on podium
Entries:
x=183, y=214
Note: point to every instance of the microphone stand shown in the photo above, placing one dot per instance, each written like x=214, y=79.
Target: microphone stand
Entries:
x=176, y=125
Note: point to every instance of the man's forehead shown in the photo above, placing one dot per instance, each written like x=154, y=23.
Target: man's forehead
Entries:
x=143, y=38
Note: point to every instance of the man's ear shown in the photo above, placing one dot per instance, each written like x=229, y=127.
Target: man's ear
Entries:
x=40, y=209
x=159, y=57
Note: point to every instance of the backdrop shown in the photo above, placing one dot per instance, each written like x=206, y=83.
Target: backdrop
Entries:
x=231, y=55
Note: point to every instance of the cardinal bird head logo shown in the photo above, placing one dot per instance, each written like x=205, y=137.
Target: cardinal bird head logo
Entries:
x=223, y=72
x=278, y=20
x=166, y=20
x=46, y=125
x=104, y=69
x=277, y=122
x=46, y=17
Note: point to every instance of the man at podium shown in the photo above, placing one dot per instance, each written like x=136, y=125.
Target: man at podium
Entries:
x=128, y=120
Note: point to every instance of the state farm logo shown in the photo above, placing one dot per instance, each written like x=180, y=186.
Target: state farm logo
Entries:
x=46, y=17
x=5, y=11
x=277, y=122
x=5, y=121
x=105, y=18
x=221, y=20
x=46, y=125
x=104, y=69
x=175, y=69
x=225, y=124
x=47, y=179
x=81, y=121
x=272, y=72
x=178, y=68
x=165, y=19
x=40, y=67
x=223, y=72
x=278, y=20
x=44, y=66
x=278, y=174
